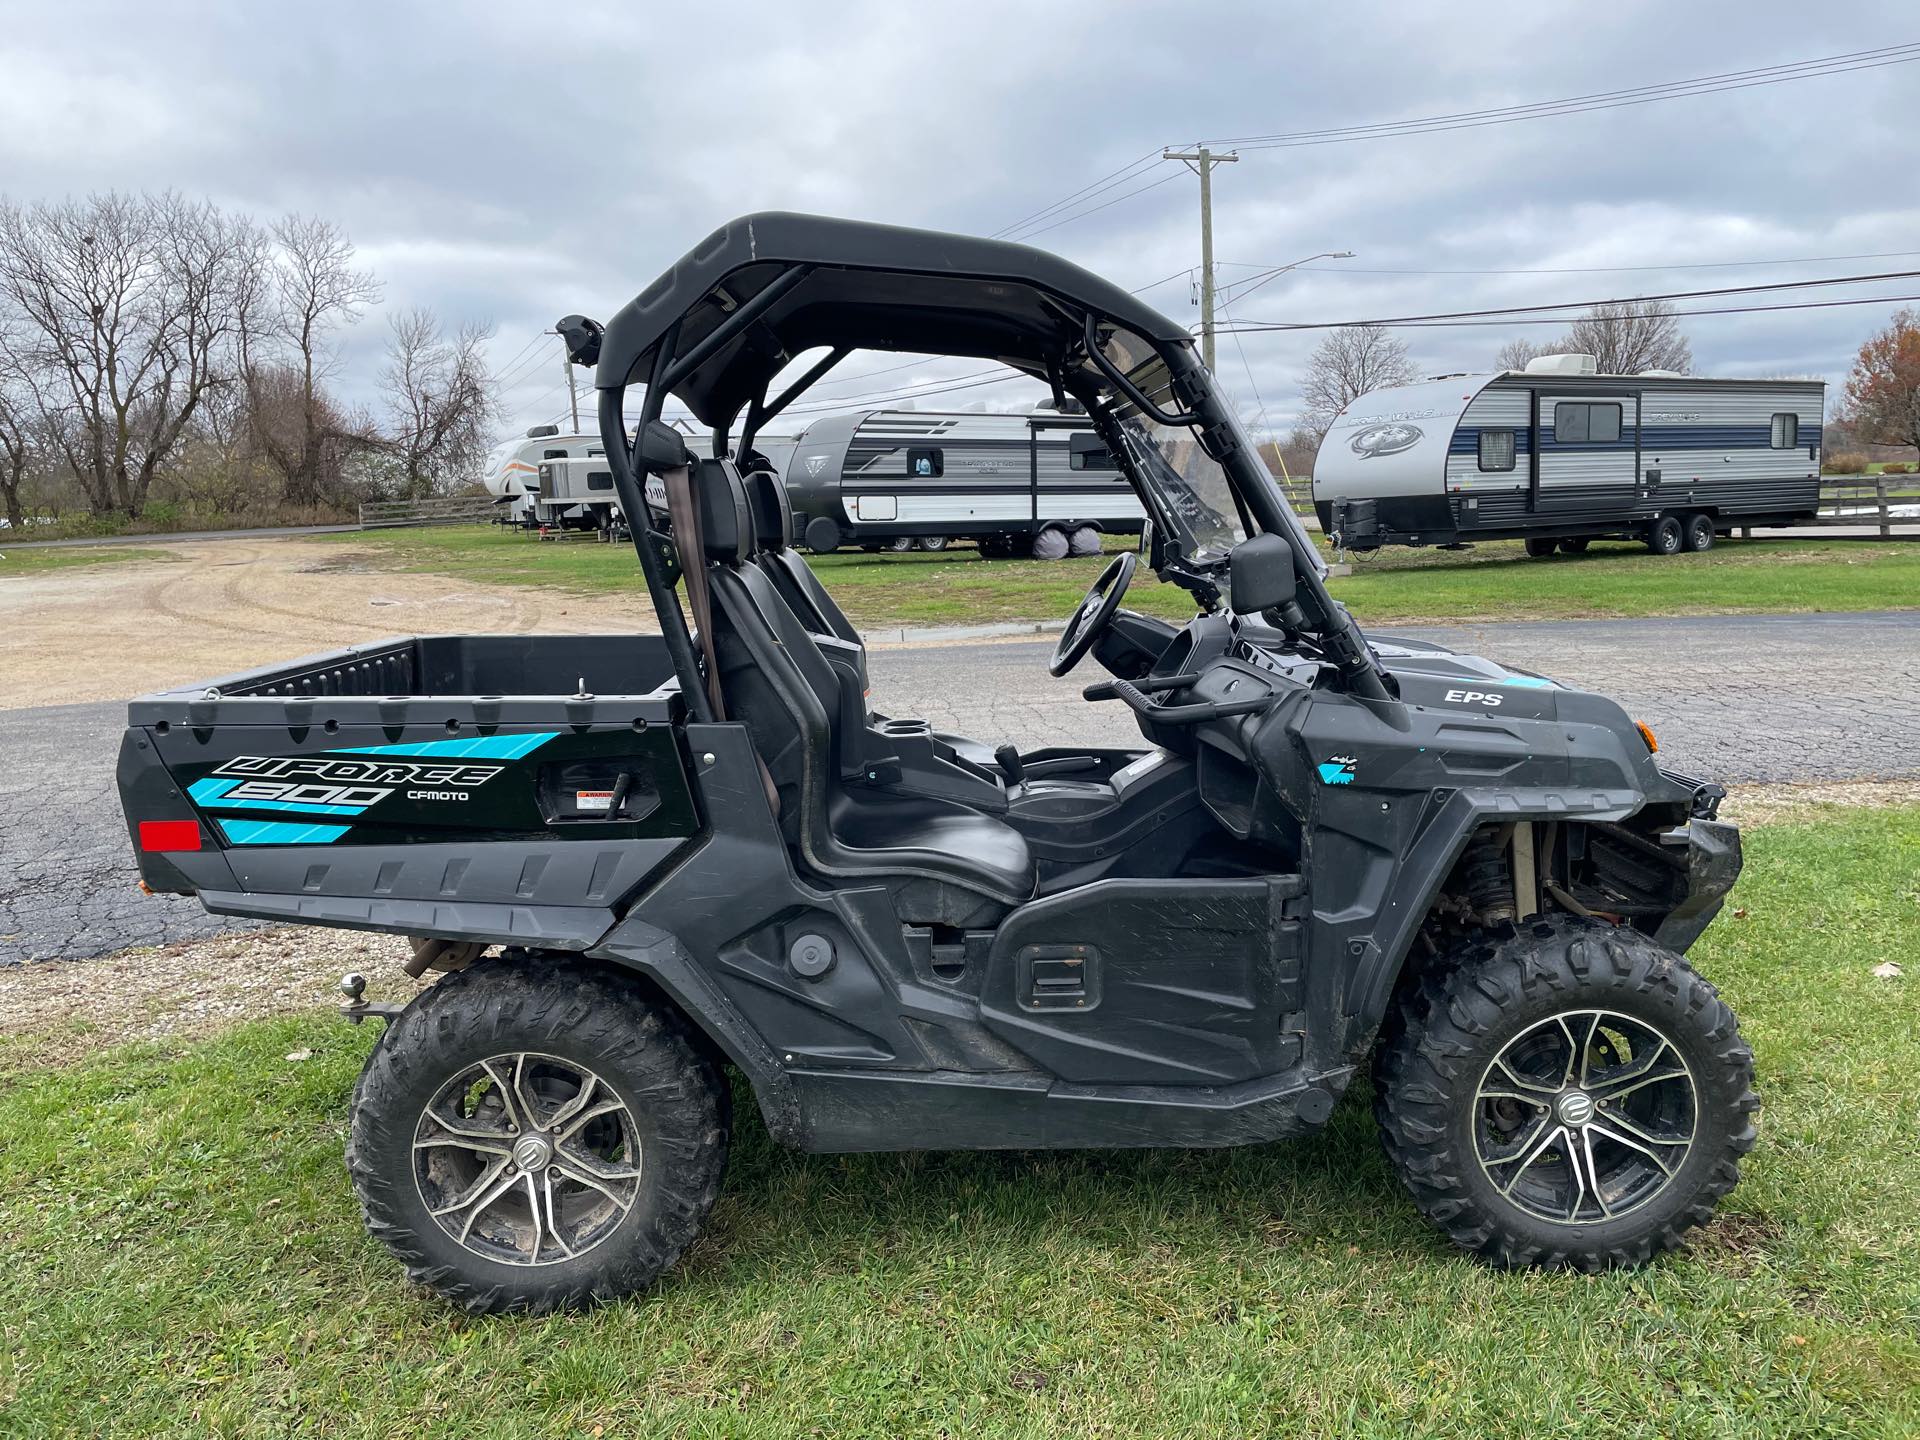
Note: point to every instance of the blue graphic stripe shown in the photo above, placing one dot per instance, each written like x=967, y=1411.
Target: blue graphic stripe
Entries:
x=1531, y=682
x=269, y=832
x=1653, y=436
x=209, y=793
x=485, y=747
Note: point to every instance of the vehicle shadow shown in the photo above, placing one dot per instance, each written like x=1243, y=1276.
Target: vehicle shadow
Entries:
x=782, y=1208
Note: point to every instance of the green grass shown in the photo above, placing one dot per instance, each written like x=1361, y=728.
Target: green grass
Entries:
x=42, y=562
x=184, y=1257
x=1491, y=581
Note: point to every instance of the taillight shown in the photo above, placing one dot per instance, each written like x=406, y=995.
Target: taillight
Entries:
x=160, y=836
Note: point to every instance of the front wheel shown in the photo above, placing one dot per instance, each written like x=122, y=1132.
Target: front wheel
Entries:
x=1540, y=548
x=1699, y=533
x=536, y=1138
x=1571, y=1095
x=1666, y=536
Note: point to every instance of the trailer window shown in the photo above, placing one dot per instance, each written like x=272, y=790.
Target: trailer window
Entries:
x=599, y=479
x=1786, y=431
x=553, y=455
x=1577, y=422
x=925, y=463
x=1496, y=450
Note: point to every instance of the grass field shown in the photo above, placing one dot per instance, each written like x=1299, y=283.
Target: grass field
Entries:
x=43, y=562
x=1492, y=581
x=184, y=1257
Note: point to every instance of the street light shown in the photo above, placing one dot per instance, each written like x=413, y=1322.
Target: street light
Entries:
x=1254, y=282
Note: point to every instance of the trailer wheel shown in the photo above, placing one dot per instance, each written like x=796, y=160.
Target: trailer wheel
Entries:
x=1665, y=536
x=1570, y=1095
x=536, y=1138
x=1699, y=533
x=1540, y=548
x=822, y=535
x=935, y=543
x=1575, y=544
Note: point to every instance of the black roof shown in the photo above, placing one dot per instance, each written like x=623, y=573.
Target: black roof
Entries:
x=876, y=287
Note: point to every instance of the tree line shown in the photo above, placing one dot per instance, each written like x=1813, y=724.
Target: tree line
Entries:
x=1879, y=405
x=159, y=348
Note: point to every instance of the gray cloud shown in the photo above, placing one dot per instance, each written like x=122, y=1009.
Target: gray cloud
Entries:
x=515, y=162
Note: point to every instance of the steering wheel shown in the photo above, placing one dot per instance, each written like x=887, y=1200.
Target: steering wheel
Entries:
x=1096, y=612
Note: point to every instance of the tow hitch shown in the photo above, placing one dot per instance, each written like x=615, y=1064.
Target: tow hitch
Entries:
x=353, y=985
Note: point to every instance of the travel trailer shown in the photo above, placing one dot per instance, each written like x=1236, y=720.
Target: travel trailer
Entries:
x=896, y=477
x=1559, y=455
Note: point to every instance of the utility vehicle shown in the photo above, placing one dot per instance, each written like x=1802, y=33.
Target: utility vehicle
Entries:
x=645, y=858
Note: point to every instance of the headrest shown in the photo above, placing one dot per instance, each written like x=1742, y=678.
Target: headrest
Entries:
x=726, y=522
x=772, y=518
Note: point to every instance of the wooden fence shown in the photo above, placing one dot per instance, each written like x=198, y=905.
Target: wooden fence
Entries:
x=1888, y=501
x=453, y=510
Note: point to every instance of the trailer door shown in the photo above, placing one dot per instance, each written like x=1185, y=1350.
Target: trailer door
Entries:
x=1586, y=455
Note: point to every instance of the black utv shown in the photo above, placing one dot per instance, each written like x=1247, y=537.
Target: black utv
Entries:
x=645, y=858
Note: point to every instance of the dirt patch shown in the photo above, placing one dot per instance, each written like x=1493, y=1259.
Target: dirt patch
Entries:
x=194, y=611
x=59, y=1011
x=1775, y=804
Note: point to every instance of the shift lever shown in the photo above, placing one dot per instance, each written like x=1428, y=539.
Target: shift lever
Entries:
x=1011, y=766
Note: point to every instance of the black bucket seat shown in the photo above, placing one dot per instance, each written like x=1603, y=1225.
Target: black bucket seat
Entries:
x=944, y=863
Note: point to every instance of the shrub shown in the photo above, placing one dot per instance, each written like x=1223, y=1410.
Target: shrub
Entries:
x=1845, y=464
x=1896, y=467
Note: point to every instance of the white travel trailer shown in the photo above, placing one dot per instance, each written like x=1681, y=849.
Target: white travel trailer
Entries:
x=564, y=481
x=1559, y=455
x=895, y=477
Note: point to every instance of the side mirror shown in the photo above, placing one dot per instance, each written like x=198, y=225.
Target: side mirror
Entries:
x=658, y=448
x=1263, y=574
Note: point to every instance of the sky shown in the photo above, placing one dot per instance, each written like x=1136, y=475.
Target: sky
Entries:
x=512, y=163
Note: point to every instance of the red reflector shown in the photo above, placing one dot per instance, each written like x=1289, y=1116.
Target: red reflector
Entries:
x=161, y=835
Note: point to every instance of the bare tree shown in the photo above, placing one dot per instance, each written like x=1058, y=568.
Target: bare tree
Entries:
x=1345, y=365
x=1515, y=354
x=20, y=436
x=127, y=304
x=315, y=289
x=439, y=401
x=1629, y=336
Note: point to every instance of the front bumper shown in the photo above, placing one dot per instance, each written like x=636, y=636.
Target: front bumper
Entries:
x=1712, y=865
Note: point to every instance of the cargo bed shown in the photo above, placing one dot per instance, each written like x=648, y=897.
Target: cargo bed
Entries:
x=505, y=788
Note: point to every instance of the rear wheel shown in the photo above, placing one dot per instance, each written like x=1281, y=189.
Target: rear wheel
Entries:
x=1571, y=1095
x=1575, y=544
x=1699, y=533
x=1666, y=536
x=934, y=542
x=1539, y=549
x=536, y=1139
x=900, y=544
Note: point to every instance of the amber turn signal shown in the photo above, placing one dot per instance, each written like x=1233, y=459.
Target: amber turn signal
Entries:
x=1647, y=735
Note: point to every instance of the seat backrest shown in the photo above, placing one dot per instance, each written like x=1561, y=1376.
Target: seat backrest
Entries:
x=773, y=528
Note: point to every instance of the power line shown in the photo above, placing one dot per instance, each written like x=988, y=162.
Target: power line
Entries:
x=1562, y=320
x=1511, y=310
x=1105, y=182
x=1082, y=214
x=1578, y=104
x=1590, y=269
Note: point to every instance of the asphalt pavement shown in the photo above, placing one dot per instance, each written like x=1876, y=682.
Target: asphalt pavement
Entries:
x=1735, y=698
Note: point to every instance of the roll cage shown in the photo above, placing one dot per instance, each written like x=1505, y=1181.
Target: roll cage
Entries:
x=731, y=315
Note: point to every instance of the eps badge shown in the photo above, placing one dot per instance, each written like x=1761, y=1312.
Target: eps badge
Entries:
x=1338, y=770
x=1488, y=698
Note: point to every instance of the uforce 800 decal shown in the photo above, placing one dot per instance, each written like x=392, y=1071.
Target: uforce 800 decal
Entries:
x=333, y=786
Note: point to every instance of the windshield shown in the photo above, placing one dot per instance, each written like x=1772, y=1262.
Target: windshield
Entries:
x=1201, y=501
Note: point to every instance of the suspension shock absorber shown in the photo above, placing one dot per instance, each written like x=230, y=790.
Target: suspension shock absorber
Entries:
x=1489, y=881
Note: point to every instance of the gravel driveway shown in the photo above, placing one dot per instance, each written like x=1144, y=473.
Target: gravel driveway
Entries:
x=1749, y=698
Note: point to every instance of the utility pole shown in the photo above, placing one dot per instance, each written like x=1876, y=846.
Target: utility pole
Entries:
x=573, y=395
x=1201, y=161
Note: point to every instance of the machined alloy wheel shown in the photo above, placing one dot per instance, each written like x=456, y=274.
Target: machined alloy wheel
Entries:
x=527, y=1159
x=1585, y=1116
x=537, y=1134
x=935, y=543
x=1568, y=1093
